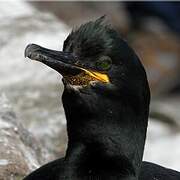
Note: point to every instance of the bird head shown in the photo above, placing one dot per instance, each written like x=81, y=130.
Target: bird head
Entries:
x=94, y=59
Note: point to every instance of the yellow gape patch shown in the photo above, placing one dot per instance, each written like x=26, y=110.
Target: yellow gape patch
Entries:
x=84, y=78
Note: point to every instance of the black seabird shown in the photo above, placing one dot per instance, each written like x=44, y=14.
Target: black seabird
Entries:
x=106, y=101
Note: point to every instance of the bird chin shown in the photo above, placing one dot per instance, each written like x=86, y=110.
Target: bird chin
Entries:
x=79, y=88
x=75, y=87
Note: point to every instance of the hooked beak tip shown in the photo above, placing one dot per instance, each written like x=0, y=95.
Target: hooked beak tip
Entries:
x=29, y=49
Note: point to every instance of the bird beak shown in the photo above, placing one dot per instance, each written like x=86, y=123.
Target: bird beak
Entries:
x=64, y=63
x=57, y=60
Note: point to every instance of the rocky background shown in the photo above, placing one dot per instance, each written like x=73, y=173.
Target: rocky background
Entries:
x=32, y=122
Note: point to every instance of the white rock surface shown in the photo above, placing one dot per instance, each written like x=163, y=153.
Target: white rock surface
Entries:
x=20, y=153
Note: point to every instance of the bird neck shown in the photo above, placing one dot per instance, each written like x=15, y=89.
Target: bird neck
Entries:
x=106, y=136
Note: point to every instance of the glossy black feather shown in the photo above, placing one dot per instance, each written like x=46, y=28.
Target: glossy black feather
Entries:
x=106, y=123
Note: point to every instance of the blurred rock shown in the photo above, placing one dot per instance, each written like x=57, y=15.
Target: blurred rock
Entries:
x=159, y=50
x=162, y=144
x=74, y=13
x=32, y=87
x=166, y=109
x=20, y=153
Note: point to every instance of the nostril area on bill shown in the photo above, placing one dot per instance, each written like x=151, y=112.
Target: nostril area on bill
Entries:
x=40, y=57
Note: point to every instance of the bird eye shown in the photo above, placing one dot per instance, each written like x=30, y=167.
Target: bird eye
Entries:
x=104, y=63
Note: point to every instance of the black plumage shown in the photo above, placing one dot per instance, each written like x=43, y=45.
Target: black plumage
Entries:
x=106, y=101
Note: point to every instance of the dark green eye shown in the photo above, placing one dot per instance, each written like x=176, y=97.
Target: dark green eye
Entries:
x=104, y=63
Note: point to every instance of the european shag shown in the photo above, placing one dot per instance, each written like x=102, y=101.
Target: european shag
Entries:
x=106, y=101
